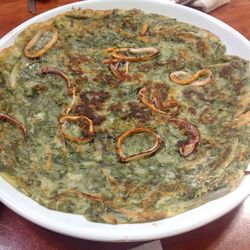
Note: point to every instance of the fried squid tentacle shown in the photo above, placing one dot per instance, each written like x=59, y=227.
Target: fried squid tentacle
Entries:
x=56, y=71
x=187, y=147
x=67, y=111
x=16, y=123
x=71, y=90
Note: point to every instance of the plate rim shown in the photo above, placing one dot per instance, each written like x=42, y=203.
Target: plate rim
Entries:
x=239, y=194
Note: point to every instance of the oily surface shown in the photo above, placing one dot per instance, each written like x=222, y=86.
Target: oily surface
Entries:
x=88, y=178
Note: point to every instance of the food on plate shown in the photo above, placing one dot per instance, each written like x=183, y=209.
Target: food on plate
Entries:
x=122, y=116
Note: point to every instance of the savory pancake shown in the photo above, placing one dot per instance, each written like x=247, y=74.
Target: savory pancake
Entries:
x=122, y=116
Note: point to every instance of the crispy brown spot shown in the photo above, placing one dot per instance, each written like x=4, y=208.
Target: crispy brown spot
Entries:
x=39, y=88
x=145, y=67
x=120, y=93
x=106, y=79
x=203, y=48
x=80, y=80
x=226, y=71
x=238, y=87
x=129, y=24
x=206, y=116
x=138, y=111
x=85, y=110
x=189, y=93
x=116, y=107
x=135, y=77
x=76, y=60
x=192, y=110
x=162, y=90
x=91, y=102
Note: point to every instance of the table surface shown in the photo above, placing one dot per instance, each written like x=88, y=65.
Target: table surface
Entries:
x=231, y=232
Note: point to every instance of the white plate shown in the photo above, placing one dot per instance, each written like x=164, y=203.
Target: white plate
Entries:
x=76, y=225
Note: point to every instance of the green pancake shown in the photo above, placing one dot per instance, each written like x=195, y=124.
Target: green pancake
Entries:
x=69, y=98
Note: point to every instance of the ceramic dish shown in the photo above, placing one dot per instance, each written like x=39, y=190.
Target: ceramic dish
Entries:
x=76, y=225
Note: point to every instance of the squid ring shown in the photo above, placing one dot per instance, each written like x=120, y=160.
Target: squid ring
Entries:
x=150, y=52
x=84, y=139
x=158, y=106
x=46, y=47
x=140, y=155
x=183, y=78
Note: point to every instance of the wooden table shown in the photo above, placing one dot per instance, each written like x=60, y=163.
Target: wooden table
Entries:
x=231, y=232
